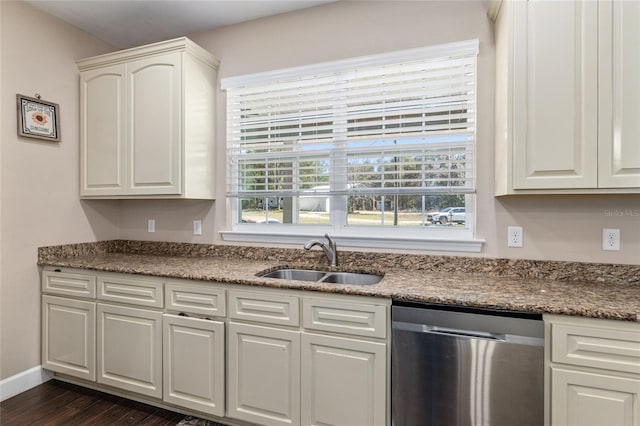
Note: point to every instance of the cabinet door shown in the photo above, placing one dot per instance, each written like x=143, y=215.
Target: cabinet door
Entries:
x=68, y=336
x=155, y=125
x=343, y=381
x=194, y=363
x=264, y=375
x=103, y=131
x=581, y=398
x=555, y=94
x=619, y=94
x=130, y=349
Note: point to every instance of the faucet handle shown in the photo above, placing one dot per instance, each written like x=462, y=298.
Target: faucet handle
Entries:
x=332, y=243
x=333, y=258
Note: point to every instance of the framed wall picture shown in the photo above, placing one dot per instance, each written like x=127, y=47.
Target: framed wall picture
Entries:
x=38, y=119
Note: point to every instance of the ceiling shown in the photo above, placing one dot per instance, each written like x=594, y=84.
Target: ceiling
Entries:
x=128, y=23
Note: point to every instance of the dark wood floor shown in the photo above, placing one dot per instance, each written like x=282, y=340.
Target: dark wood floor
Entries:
x=60, y=403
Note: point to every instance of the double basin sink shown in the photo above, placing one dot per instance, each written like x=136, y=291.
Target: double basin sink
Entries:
x=349, y=278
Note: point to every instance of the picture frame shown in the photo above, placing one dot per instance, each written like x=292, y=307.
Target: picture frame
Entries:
x=38, y=119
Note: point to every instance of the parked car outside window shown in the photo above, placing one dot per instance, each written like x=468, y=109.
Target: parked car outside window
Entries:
x=448, y=215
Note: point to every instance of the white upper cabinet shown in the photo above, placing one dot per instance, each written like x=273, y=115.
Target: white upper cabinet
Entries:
x=102, y=129
x=562, y=125
x=555, y=95
x=154, y=110
x=147, y=122
x=619, y=94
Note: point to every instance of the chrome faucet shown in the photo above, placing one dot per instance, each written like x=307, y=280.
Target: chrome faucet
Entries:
x=329, y=249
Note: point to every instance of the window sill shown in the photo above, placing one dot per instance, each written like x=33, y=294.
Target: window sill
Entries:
x=358, y=241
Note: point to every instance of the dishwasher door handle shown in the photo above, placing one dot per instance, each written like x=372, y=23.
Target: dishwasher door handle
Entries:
x=455, y=332
x=466, y=333
x=469, y=334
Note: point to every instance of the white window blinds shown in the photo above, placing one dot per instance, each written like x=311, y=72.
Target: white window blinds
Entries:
x=381, y=126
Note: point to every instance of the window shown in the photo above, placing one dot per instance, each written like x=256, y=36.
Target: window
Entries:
x=369, y=147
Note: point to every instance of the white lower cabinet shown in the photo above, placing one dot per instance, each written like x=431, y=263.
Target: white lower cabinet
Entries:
x=296, y=359
x=68, y=336
x=193, y=356
x=264, y=374
x=586, y=398
x=593, y=371
x=343, y=381
x=130, y=349
x=130, y=337
x=114, y=329
x=268, y=357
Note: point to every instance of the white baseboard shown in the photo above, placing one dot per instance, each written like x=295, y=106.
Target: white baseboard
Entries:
x=23, y=381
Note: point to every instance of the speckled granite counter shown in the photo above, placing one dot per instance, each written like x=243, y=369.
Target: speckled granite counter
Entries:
x=571, y=288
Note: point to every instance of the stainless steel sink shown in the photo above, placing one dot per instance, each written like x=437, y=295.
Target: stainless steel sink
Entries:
x=352, y=278
x=296, y=274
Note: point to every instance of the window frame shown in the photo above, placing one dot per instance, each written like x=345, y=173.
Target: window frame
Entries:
x=361, y=236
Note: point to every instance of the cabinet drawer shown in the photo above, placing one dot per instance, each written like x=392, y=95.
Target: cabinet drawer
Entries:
x=69, y=284
x=265, y=308
x=196, y=299
x=134, y=292
x=606, y=348
x=344, y=317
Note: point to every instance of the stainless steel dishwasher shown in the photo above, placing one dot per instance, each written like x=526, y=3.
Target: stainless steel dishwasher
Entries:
x=466, y=366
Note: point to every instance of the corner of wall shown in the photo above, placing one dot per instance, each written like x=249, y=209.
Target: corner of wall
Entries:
x=23, y=381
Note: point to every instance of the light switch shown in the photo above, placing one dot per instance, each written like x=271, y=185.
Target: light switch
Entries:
x=197, y=227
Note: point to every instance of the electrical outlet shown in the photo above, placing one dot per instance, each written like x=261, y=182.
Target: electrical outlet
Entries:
x=610, y=239
x=197, y=227
x=514, y=236
x=151, y=225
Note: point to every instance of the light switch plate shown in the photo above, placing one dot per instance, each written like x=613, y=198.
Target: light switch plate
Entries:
x=197, y=227
x=151, y=225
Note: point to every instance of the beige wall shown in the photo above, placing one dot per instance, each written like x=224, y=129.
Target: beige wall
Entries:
x=39, y=180
x=349, y=29
x=555, y=228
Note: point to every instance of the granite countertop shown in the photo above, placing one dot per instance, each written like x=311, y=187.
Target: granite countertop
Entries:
x=592, y=290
